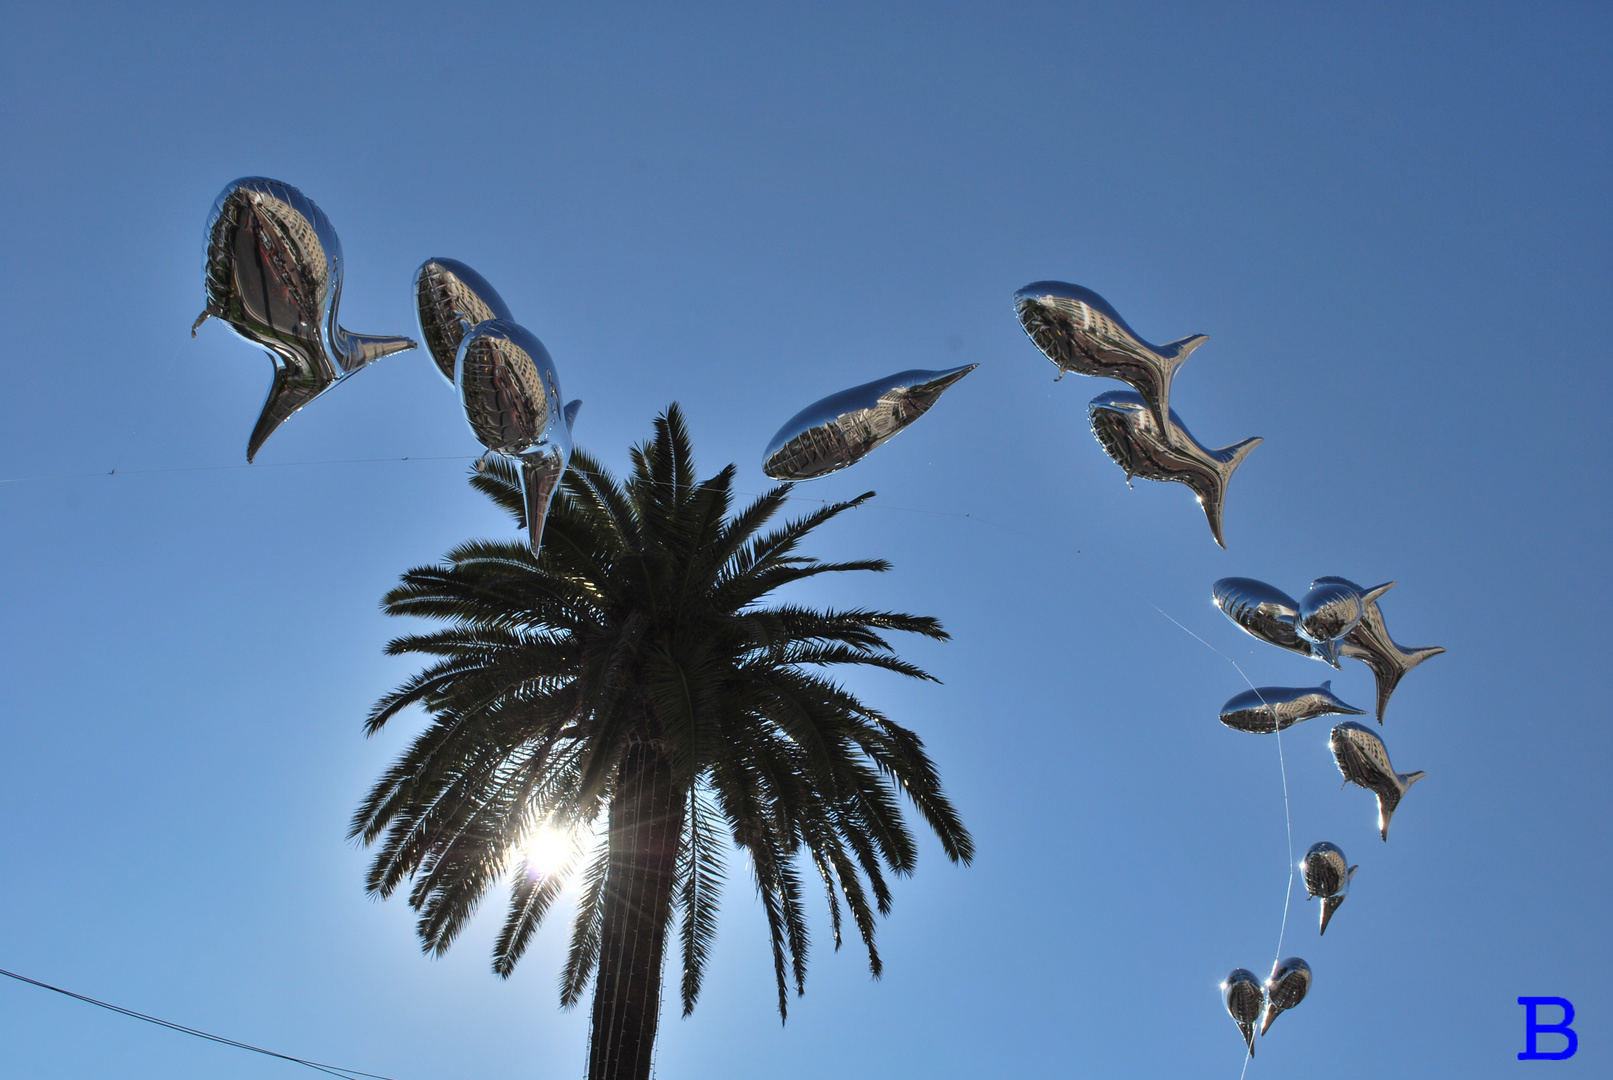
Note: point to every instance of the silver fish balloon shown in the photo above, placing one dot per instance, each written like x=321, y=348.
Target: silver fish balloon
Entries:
x=1327, y=877
x=511, y=393
x=273, y=273
x=1330, y=610
x=1244, y=997
x=1364, y=760
x=1081, y=332
x=1289, y=983
x=1370, y=643
x=1277, y=708
x=1263, y=611
x=1128, y=433
x=844, y=428
x=451, y=298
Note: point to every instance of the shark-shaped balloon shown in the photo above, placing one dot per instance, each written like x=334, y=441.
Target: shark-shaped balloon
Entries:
x=1277, y=708
x=1370, y=643
x=1263, y=611
x=1327, y=877
x=1244, y=997
x=1081, y=332
x=1364, y=760
x=451, y=298
x=844, y=428
x=1289, y=983
x=1330, y=610
x=1128, y=432
x=273, y=273
x=511, y=393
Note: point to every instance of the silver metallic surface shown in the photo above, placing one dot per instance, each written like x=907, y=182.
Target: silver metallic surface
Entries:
x=1364, y=760
x=1127, y=431
x=1081, y=332
x=1330, y=610
x=273, y=273
x=1262, y=611
x=844, y=428
x=1327, y=877
x=511, y=393
x=1371, y=644
x=1244, y=997
x=451, y=298
x=1269, y=709
x=1289, y=983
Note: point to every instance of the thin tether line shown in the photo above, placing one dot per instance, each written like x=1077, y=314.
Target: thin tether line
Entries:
x=331, y=1070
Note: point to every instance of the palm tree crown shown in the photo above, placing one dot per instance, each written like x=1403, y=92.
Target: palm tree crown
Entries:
x=633, y=670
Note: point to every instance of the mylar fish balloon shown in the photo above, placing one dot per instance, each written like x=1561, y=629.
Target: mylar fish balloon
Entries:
x=1364, y=760
x=1327, y=877
x=1129, y=434
x=1330, y=610
x=1263, y=611
x=844, y=428
x=274, y=275
x=511, y=393
x=450, y=298
x=1289, y=983
x=1243, y=996
x=1370, y=643
x=1081, y=332
x=1278, y=708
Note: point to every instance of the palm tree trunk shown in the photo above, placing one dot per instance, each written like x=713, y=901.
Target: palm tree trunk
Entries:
x=646, y=814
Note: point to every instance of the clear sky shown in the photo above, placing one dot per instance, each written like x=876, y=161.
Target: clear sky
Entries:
x=1393, y=222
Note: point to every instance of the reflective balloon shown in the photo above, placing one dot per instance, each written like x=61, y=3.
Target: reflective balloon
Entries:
x=1331, y=609
x=450, y=298
x=1289, y=983
x=1371, y=644
x=511, y=393
x=1262, y=611
x=274, y=274
x=1327, y=877
x=1364, y=760
x=1243, y=996
x=844, y=428
x=1128, y=433
x=1277, y=708
x=1079, y=331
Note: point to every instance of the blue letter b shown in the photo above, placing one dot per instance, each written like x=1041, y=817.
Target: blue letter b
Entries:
x=1533, y=1028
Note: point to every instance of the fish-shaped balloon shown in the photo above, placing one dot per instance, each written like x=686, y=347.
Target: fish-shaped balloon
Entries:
x=1128, y=433
x=1330, y=610
x=844, y=428
x=1277, y=708
x=1327, y=877
x=1370, y=643
x=1263, y=611
x=1081, y=332
x=273, y=273
x=511, y=393
x=1364, y=760
x=1289, y=983
x=1244, y=997
x=451, y=298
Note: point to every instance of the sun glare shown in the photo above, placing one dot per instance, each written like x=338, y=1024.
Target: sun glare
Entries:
x=545, y=850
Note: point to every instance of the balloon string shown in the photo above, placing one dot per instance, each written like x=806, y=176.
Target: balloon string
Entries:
x=1288, y=817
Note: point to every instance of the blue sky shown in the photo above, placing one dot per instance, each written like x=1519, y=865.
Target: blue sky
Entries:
x=1391, y=220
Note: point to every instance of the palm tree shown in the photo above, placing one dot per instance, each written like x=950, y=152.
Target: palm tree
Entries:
x=633, y=669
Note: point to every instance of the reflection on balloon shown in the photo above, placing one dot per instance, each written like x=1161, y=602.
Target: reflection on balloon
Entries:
x=1129, y=434
x=842, y=429
x=1079, y=331
x=1243, y=996
x=451, y=298
x=1262, y=611
x=1370, y=643
x=1331, y=609
x=1364, y=760
x=273, y=273
x=1289, y=983
x=1327, y=877
x=511, y=393
x=1277, y=708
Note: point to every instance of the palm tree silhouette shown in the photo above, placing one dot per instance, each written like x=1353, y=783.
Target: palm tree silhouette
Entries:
x=633, y=670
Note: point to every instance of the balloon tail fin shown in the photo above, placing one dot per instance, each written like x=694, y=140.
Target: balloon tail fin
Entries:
x=540, y=476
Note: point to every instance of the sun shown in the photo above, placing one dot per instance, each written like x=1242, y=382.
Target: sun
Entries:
x=545, y=850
